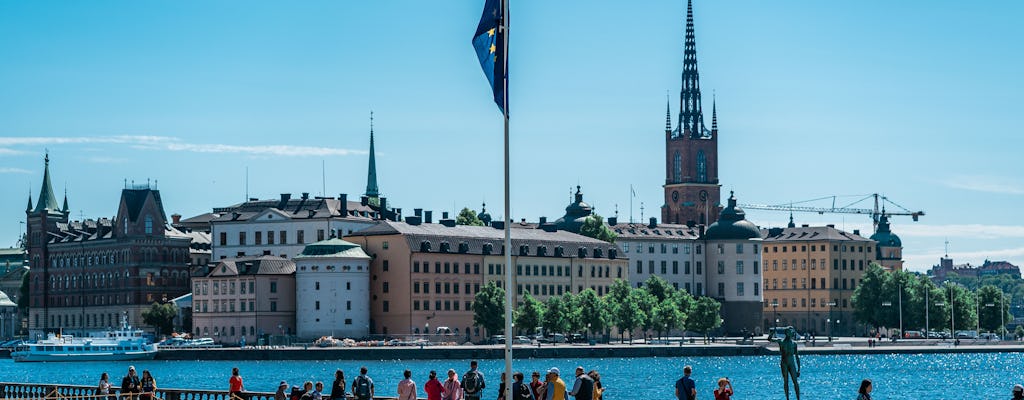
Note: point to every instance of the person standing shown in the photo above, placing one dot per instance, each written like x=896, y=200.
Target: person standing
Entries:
x=583, y=388
x=501, y=387
x=235, y=384
x=686, y=388
x=724, y=391
x=338, y=387
x=280, y=394
x=433, y=387
x=598, y=386
x=537, y=386
x=452, y=387
x=148, y=385
x=103, y=387
x=407, y=387
x=307, y=391
x=864, y=393
x=1018, y=392
x=130, y=384
x=555, y=388
x=362, y=386
x=473, y=382
x=520, y=391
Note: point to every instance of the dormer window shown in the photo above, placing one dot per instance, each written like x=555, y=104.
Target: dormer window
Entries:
x=149, y=225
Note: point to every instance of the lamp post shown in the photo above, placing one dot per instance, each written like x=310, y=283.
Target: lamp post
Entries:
x=775, y=310
x=829, y=319
x=926, y=290
x=940, y=304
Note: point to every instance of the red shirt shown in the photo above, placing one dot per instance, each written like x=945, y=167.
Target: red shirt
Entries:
x=235, y=383
x=434, y=389
x=723, y=394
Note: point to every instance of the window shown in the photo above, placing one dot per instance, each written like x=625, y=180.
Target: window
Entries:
x=319, y=235
x=317, y=285
x=348, y=305
x=241, y=238
x=257, y=238
x=284, y=238
x=387, y=306
x=639, y=267
x=664, y=248
x=416, y=305
x=702, y=167
x=721, y=267
x=223, y=238
x=699, y=271
x=415, y=287
x=149, y=225
x=757, y=267
x=426, y=288
x=721, y=289
x=686, y=267
x=273, y=305
x=273, y=287
x=384, y=245
x=739, y=267
x=675, y=268
x=386, y=287
x=625, y=247
x=317, y=307
x=664, y=267
x=739, y=288
x=675, y=248
x=757, y=289
x=384, y=265
x=739, y=248
x=270, y=237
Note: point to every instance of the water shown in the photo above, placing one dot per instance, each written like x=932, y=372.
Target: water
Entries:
x=921, y=376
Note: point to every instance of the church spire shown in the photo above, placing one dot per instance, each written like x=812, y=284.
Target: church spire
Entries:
x=691, y=117
x=714, y=114
x=668, y=114
x=29, y=207
x=47, y=201
x=371, y=173
x=67, y=210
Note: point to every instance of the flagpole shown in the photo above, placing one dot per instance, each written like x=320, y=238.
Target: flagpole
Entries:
x=509, y=287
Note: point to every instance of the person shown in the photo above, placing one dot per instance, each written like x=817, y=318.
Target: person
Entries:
x=307, y=391
x=1018, y=392
x=148, y=385
x=537, y=386
x=235, y=387
x=789, y=363
x=864, y=393
x=362, y=386
x=103, y=388
x=598, y=386
x=501, y=387
x=407, y=387
x=555, y=389
x=452, y=387
x=338, y=387
x=318, y=392
x=520, y=391
x=686, y=388
x=583, y=388
x=279, y=394
x=724, y=391
x=433, y=387
x=296, y=393
x=130, y=384
x=473, y=382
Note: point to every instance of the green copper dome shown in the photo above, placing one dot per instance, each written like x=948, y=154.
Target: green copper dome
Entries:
x=732, y=224
x=333, y=247
x=884, y=236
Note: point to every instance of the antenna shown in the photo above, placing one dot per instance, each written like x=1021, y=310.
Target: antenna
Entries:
x=323, y=178
x=641, y=211
x=947, y=247
x=246, y=183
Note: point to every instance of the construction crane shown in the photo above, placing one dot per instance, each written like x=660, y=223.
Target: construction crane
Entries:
x=875, y=213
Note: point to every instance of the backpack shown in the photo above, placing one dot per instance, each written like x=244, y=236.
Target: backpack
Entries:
x=362, y=386
x=471, y=382
x=524, y=392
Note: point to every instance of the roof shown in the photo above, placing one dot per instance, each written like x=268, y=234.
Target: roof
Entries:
x=473, y=239
x=673, y=232
x=884, y=236
x=5, y=301
x=335, y=248
x=732, y=224
x=135, y=200
x=811, y=233
x=259, y=265
x=47, y=201
x=301, y=208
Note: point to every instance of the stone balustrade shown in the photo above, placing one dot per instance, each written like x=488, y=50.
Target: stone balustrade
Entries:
x=43, y=391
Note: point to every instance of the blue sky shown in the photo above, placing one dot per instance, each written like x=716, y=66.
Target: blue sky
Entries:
x=920, y=101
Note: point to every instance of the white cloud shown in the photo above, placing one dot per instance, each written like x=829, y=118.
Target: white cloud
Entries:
x=176, y=144
x=14, y=171
x=9, y=152
x=988, y=184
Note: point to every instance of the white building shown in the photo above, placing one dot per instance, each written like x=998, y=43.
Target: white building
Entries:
x=284, y=227
x=733, y=247
x=332, y=296
x=671, y=252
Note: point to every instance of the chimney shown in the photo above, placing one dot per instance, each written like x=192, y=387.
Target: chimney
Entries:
x=805, y=226
x=654, y=223
x=613, y=220
x=384, y=208
x=398, y=214
x=496, y=224
x=175, y=218
x=305, y=195
x=542, y=221
x=831, y=225
x=343, y=204
x=417, y=212
x=428, y=217
x=448, y=222
x=364, y=201
x=444, y=215
x=691, y=224
x=856, y=232
x=253, y=199
x=414, y=220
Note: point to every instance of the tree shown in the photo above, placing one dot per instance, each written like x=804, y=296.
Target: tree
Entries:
x=704, y=317
x=667, y=315
x=649, y=304
x=594, y=227
x=926, y=291
x=962, y=302
x=593, y=311
x=572, y=313
x=161, y=317
x=896, y=293
x=530, y=314
x=867, y=298
x=989, y=300
x=629, y=315
x=468, y=217
x=553, y=319
x=23, y=294
x=489, y=308
x=658, y=287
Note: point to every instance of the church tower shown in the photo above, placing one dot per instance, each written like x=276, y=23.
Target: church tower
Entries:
x=42, y=221
x=372, y=192
x=692, y=192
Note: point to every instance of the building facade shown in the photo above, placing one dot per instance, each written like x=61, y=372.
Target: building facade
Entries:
x=889, y=251
x=692, y=191
x=242, y=299
x=84, y=274
x=332, y=290
x=734, y=279
x=810, y=273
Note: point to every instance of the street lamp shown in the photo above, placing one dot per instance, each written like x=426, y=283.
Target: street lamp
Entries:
x=940, y=304
x=775, y=310
x=829, y=319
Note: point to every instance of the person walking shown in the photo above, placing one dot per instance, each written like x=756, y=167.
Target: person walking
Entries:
x=433, y=387
x=598, y=386
x=686, y=388
x=148, y=385
x=280, y=394
x=724, y=391
x=555, y=388
x=473, y=382
x=864, y=393
x=103, y=387
x=407, y=387
x=235, y=386
x=536, y=385
x=130, y=386
x=362, y=386
x=583, y=388
x=452, y=387
x=520, y=390
x=338, y=387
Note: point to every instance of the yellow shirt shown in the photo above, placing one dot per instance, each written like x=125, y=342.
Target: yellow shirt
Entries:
x=556, y=389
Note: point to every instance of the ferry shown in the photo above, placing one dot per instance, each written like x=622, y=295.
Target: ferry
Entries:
x=118, y=345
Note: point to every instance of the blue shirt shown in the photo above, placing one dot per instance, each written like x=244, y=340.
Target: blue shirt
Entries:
x=685, y=387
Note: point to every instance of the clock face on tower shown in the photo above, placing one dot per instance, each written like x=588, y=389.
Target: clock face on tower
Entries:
x=703, y=195
x=675, y=196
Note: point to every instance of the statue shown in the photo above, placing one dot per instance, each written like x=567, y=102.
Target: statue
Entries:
x=790, y=363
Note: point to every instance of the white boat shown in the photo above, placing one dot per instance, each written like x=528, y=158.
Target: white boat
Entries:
x=182, y=343
x=117, y=345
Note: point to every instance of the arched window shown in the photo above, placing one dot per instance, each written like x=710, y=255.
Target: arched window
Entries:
x=702, y=167
x=677, y=167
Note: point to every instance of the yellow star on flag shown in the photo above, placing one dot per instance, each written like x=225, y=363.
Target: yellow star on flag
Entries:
x=493, y=48
x=490, y=32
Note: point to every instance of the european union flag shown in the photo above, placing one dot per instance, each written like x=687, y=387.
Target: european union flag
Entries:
x=489, y=42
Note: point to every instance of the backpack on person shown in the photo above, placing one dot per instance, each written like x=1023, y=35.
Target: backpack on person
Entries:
x=471, y=382
x=362, y=387
x=525, y=392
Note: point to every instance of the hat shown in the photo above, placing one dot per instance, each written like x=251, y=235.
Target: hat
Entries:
x=553, y=370
x=283, y=384
x=1018, y=388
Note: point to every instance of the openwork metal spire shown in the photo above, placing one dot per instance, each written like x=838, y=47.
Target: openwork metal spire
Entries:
x=714, y=113
x=47, y=201
x=691, y=117
x=371, y=172
x=668, y=114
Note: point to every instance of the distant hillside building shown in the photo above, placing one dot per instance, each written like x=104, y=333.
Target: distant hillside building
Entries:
x=941, y=272
x=84, y=274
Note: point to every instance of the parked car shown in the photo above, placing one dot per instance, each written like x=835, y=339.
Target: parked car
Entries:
x=990, y=336
x=913, y=335
x=496, y=339
x=521, y=340
x=937, y=335
x=578, y=338
x=557, y=338
x=966, y=334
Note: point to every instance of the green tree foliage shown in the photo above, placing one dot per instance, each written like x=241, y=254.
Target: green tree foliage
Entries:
x=593, y=311
x=629, y=315
x=964, y=316
x=1019, y=332
x=468, y=217
x=704, y=316
x=530, y=314
x=489, y=308
x=867, y=298
x=161, y=317
x=649, y=304
x=23, y=294
x=658, y=287
x=553, y=319
x=914, y=313
x=573, y=315
x=671, y=312
x=594, y=227
x=988, y=299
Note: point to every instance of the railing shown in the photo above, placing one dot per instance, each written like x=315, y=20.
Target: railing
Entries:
x=42, y=391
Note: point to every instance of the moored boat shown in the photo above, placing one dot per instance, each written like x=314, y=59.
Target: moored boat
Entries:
x=116, y=345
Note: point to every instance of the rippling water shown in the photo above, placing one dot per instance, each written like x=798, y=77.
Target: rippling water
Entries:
x=922, y=376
